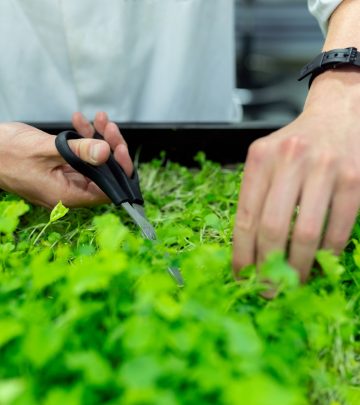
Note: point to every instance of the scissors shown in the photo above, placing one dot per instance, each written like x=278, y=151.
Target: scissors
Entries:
x=122, y=190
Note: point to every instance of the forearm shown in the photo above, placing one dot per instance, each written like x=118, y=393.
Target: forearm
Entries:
x=343, y=83
x=344, y=26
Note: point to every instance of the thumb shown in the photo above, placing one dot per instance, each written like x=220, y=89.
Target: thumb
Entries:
x=92, y=151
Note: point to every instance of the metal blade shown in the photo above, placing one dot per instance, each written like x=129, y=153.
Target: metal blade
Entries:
x=176, y=275
x=147, y=229
x=140, y=209
x=137, y=213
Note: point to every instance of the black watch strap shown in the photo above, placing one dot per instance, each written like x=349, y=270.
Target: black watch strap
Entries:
x=330, y=60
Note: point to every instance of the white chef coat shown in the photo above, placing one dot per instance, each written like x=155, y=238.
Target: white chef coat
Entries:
x=138, y=60
x=322, y=10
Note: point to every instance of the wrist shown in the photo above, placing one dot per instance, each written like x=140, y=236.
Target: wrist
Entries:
x=335, y=86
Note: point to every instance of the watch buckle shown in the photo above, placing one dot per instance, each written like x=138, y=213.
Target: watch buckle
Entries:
x=351, y=56
x=345, y=57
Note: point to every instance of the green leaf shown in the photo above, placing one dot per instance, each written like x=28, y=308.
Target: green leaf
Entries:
x=95, y=369
x=276, y=270
x=261, y=389
x=42, y=343
x=66, y=395
x=110, y=232
x=45, y=273
x=330, y=264
x=353, y=395
x=10, y=212
x=90, y=315
x=213, y=221
x=150, y=371
x=9, y=329
x=10, y=390
x=58, y=212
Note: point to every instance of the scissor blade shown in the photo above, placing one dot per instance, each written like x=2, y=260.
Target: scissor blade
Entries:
x=147, y=229
x=137, y=213
x=140, y=209
x=176, y=275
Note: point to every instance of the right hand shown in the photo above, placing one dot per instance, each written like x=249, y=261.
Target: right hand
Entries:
x=311, y=163
x=31, y=166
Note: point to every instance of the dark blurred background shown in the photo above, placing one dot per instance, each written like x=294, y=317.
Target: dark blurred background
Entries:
x=274, y=39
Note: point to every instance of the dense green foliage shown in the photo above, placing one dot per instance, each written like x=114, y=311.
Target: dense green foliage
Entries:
x=89, y=315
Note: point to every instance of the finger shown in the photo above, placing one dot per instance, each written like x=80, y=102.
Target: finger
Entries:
x=113, y=135
x=278, y=209
x=92, y=151
x=255, y=185
x=344, y=209
x=100, y=122
x=117, y=143
x=122, y=155
x=314, y=205
x=82, y=125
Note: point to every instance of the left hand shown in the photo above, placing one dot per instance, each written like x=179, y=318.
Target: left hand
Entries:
x=31, y=166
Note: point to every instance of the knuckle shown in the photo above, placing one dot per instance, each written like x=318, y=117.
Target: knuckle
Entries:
x=293, y=147
x=271, y=230
x=307, y=235
x=245, y=221
x=75, y=146
x=258, y=150
x=81, y=147
x=350, y=177
x=326, y=160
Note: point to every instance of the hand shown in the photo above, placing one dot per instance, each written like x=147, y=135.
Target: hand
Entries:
x=314, y=163
x=31, y=166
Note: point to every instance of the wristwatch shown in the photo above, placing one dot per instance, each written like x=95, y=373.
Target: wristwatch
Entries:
x=330, y=60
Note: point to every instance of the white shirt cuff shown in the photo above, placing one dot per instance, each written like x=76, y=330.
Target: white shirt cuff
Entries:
x=322, y=10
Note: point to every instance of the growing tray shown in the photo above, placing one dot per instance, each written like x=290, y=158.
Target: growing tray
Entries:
x=223, y=143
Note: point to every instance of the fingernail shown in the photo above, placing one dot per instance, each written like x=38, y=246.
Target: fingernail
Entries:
x=95, y=152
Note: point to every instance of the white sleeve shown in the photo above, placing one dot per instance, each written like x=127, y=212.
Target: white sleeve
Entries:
x=322, y=10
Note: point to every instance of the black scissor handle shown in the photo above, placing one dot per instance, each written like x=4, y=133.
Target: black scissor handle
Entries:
x=110, y=176
x=130, y=184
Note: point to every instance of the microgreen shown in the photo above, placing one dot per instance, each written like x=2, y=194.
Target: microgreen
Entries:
x=89, y=314
x=57, y=213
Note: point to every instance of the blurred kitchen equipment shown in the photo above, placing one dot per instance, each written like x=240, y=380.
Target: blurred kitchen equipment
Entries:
x=274, y=39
